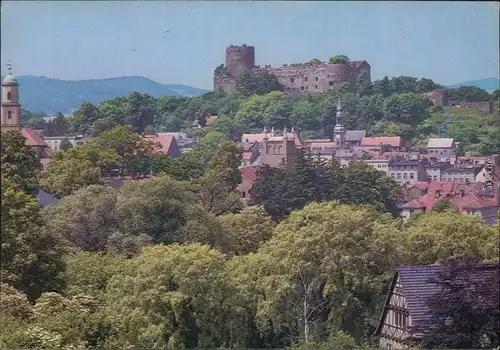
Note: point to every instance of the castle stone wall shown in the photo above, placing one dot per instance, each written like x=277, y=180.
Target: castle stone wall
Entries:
x=439, y=98
x=297, y=78
x=239, y=58
x=485, y=106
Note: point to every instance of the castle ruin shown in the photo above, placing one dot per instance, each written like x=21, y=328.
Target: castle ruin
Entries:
x=297, y=78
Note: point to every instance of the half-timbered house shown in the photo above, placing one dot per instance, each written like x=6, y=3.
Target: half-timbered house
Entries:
x=406, y=302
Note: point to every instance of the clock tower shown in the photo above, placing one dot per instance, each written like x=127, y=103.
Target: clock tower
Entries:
x=339, y=130
x=10, y=109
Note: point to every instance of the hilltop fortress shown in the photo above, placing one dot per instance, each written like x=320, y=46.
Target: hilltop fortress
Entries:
x=297, y=78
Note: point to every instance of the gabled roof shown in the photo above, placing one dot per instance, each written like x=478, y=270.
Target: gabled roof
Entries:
x=32, y=137
x=418, y=288
x=249, y=174
x=168, y=145
x=440, y=143
x=393, y=141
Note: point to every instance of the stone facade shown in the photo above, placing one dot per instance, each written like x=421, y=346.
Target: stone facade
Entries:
x=440, y=98
x=300, y=78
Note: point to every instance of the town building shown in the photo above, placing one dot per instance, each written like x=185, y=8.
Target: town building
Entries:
x=166, y=144
x=248, y=179
x=406, y=302
x=434, y=169
x=54, y=142
x=461, y=173
x=10, y=118
x=381, y=164
x=442, y=147
x=382, y=144
x=473, y=199
x=405, y=171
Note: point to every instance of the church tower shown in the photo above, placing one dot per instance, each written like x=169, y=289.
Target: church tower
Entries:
x=10, y=109
x=339, y=130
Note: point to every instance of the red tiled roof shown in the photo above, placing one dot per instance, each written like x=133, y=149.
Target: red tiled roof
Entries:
x=249, y=173
x=211, y=119
x=394, y=141
x=472, y=201
x=32, y=137
x=167, y=144
x=247, y=155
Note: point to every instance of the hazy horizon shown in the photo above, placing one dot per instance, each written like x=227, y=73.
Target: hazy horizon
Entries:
x=182, y=42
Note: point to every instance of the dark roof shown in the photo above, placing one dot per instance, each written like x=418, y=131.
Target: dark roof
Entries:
x=46, y=199
x=417, y=287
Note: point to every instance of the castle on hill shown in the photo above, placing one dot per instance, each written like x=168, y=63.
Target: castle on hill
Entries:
x=299, y=78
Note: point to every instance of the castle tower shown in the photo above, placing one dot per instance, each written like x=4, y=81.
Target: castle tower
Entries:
x=10, y=109
x=339, y=130
x=279, y=149
x=239, y=58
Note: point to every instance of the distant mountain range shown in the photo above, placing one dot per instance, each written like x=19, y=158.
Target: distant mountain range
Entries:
x=488, y=84
x=42, y=94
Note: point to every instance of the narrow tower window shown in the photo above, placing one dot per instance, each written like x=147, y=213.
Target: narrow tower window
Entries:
x=9, y=114
x=9, y=95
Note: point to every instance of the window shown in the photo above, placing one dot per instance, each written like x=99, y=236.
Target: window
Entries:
x=398, y=176
x=411, y=176
x=316, y=78
x=434, y=178
x=316, y=87
x=330, y=83
x=392, y=175
x=9, y=114
x=405, y=176
x=9, y=95
x=400, y=319
x=292, y=80
x=305, y=79
x=302, y=88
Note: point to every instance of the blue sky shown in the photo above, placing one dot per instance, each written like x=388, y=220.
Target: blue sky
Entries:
x=449, y=42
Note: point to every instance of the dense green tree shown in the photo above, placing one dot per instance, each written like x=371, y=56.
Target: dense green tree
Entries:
x=87, y=218
x=315, y=61
x=172, y=296
x=259, y=83
x=403, y=85
x=362, y=184
x=383, y=87
x=338, y=59
x=19, y=164
x=31, y=258
x=407, y=108
x=425, y=85
x=443, y=205
x=433, y=237
x=69, y=172
x=65, y=144
x=309, y=268
x=244, y=232
x=272, y=109
x=469, y=93
x=216, y=188
x=156, y=207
